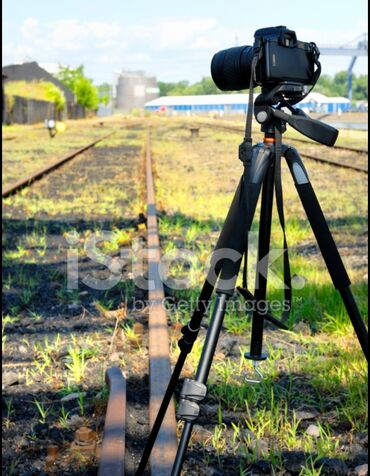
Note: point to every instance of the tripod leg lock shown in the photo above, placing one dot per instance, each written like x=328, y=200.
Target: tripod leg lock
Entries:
x=188, y=339
x=191, y=395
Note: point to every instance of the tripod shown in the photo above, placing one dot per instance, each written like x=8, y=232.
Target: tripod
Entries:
x=261, y=177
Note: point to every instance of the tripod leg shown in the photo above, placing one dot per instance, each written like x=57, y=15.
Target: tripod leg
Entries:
x=262, y=265
x=202, y=374
x=191, y=330
x=326, y=244
x=228, y=276
x=236, y=239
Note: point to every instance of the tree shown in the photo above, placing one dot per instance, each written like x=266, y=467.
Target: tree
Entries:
x=338, y=86
x=184, y=88
x=324, y=85
x=341, y=84
x=75, y=79
x=327, y=85
x=104, y=93
x=361, y=88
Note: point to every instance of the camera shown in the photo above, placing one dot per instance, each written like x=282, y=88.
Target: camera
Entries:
x=281, y=59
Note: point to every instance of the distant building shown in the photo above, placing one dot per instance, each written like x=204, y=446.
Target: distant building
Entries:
x=134, y=89
x=201, y=104
x=221, y=104
x=3, y=98
x=316, y=102
x=35, y=113
x=33, y=72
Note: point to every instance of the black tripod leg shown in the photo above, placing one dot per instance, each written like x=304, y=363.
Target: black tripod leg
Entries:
x=202, y=374
x=191, y=330
x=225, y=289
x=262, y=265
x=326, y=244
x=236, y=240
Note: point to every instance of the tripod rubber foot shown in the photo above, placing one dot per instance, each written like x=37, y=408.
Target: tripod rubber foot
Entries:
x=258, y=358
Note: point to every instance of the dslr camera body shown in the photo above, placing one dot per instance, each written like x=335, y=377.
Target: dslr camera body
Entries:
x=281, y=59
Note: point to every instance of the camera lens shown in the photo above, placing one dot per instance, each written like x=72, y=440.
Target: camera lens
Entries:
x=231, y=68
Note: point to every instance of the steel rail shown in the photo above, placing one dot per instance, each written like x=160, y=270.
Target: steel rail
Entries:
x=164, y=450
x=336, y=164
x=38, y=174
x=305, y=141
x=308, y=156
x=337, y=147
x=112, y=456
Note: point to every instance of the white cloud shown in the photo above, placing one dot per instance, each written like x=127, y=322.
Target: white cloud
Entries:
x=180, y=48
x=171, y=33
x=66, y=40
x=17, y=53
x=30, y=28
x=328, y=37
x=204, y=43
x=76, y=35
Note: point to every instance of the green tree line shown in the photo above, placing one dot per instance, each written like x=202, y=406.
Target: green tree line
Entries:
x=86, y=93
x=338, y=85
x=330, y=86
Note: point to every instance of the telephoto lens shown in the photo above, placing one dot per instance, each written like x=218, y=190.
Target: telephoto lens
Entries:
x=231, y=68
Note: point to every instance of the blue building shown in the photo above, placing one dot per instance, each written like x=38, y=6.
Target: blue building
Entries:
x=222, y=104
x=219, y=104
x=316, y=102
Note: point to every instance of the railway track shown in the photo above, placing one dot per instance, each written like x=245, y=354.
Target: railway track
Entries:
x=47, y=169
x=112, y=461
x=334, y=163
x=43, y=171
x=164, y=450
x=112, y=453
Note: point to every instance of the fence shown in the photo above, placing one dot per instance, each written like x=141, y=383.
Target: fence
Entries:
x=75, y=111
x=21, y=110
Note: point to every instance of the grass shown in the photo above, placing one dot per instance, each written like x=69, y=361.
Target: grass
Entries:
x=269, y=406
x=32, y=147
x=42, y=410
x=10, y=412
x=41, y=90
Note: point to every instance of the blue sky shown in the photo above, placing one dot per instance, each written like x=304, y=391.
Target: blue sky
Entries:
x=172, y=40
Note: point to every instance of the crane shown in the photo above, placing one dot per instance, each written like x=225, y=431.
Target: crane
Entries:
x=360, y=49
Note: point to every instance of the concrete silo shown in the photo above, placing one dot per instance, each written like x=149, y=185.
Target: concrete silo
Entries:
x=134, y=89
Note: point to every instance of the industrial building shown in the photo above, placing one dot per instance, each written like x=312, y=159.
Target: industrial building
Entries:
x=134, y=89
x=29, y=110
x=221, y=104
x=316, y=102
x=33, y=72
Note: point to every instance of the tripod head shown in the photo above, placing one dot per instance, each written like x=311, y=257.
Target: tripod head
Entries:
x=284, y=95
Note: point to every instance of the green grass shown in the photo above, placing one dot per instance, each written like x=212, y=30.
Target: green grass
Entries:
x=41, y=90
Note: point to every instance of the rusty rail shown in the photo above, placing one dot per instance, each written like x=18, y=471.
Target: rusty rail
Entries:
x=294, y=139
x=164, y=450
x=113, y=448
x=28, y=179
x=337, y=164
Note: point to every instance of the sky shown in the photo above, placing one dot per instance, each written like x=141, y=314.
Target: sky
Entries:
x=173, y=40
